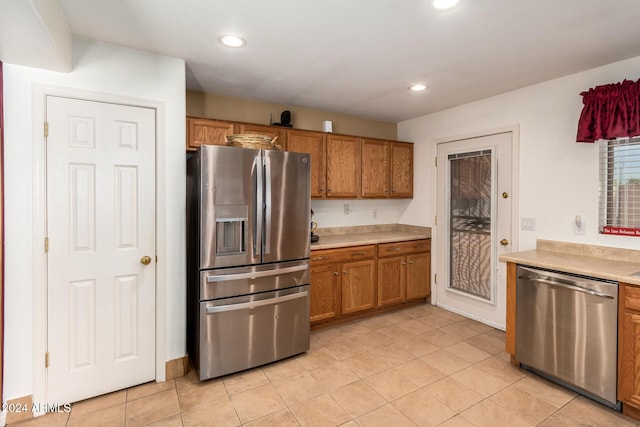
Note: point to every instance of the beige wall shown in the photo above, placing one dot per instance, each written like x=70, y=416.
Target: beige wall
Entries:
x=213, y=106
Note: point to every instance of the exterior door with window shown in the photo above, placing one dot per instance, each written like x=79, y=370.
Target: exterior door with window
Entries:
x=474, y=226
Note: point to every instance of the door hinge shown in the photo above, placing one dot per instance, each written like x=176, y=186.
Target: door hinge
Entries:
x=46, y=359
x=436, y=220
x=46, y=129
x=46, y=244
x=436, y=161
x=435, y=278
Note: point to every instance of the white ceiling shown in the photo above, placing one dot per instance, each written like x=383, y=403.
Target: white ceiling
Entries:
x=358, y=57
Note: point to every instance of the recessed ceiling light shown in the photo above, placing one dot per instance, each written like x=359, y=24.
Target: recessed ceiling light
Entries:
x=417, y=87
x=230, y=40
x=444, y=4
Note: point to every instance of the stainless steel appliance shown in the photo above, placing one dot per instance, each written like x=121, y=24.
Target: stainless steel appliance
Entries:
x=566, y=330
x=248, y=214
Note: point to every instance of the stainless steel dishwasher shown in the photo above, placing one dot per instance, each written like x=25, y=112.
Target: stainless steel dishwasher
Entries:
x=567, y=330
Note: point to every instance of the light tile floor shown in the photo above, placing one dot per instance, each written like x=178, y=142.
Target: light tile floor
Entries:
x=421, y=366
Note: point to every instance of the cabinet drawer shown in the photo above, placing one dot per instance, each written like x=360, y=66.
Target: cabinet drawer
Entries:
x=631, y=297
x=340, y=255
x=401, y=248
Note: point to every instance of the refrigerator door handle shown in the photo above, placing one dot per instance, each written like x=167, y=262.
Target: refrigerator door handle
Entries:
x=250, y=305
x=257, y=224
x=267, y=202
x=255, y=274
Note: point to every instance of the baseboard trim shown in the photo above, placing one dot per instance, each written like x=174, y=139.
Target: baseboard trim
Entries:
x=176, y=368
x=18, y=409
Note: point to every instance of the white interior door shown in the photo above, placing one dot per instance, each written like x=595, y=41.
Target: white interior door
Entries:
x=100, y=225
x=474, y=203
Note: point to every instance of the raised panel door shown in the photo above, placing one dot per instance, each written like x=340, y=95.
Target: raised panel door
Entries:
x=100, y=259
x=375, y=168
x=391, y=281
x=207, y=132
x=358, y=286
x=401, y=170
x=312, y=143
x=418, y=275
x=343, y=166
x=325, y=290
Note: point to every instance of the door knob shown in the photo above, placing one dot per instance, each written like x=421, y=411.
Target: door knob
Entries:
x=145, y=260
x=504, y=242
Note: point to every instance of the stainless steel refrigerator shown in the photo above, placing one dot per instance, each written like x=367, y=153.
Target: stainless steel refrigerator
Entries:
x=248, y=217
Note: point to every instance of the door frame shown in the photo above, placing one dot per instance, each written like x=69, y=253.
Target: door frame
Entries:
x=39, y=260
x=515, y=190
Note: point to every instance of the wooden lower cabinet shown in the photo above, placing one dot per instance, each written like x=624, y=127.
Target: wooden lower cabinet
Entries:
x=392, y=281
x=629, y=349
x=418, y=275
x=354, y=281
x=358, y=286
x=342, y=282
x=404, y=271
x=325, y=292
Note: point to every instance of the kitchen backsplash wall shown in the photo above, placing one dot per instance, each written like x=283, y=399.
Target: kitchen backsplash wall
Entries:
x=332, y=213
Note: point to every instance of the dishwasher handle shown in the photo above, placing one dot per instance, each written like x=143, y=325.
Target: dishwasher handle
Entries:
x=572, y=286
x=254, y=304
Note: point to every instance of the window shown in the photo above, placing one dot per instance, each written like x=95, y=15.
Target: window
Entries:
x=620, y=186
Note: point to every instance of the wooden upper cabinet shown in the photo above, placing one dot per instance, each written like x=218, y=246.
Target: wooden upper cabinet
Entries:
x=207, y=132
x=272, y=131
x=401, y=170
x=343, y=166
x=375, y=168
x=312, y=143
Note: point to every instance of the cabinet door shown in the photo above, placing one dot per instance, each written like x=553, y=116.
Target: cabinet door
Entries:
x=391, y=281
x=207, y=132
x=312, y=143
x=272, y=131
x=401, y=170
x=358, y=286
x=325, y=289
x=343, y=166
x=629, y=346
x=418, y=275
x=375, y=168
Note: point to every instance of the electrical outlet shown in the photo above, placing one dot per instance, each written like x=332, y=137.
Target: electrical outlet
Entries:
x=528, y=224
x=347, y=208
x=375, y=213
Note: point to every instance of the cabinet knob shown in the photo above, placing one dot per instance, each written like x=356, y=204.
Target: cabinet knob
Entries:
x=344, y=272
x=386, y=191
x=410, y=262
x=335, y=273
x=404, y=263
x=329, y=189
x=321, y=189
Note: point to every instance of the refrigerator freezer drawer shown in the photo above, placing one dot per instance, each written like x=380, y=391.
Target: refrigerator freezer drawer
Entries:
x=244, y=332
x=229, y=282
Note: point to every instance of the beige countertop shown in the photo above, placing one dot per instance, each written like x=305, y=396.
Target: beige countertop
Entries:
x=588, y=260
x=341, y=237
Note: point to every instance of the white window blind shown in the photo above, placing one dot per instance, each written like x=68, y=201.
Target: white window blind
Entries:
x=620, y=186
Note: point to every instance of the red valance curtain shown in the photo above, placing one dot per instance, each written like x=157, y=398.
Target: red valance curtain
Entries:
x=610, y=111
